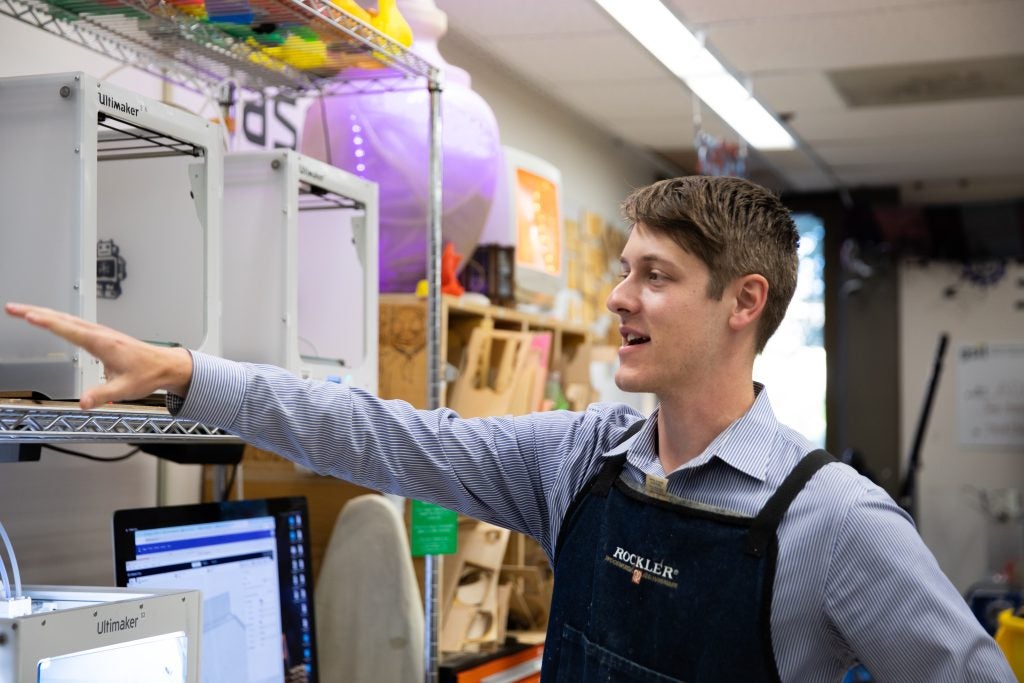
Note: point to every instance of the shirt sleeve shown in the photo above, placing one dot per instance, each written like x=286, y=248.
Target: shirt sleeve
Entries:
x=497, y=469
x=897, y=611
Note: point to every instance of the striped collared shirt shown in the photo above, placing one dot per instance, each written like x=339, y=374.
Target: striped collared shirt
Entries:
x=854, y=580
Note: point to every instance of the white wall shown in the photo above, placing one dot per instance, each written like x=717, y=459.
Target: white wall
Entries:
x=967, y=544
x=58, y=511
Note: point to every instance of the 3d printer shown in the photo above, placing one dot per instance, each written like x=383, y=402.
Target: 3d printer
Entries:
x=111, y=204
x=102, y=635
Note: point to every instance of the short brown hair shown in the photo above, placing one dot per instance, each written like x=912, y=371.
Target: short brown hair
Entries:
x=734, y=226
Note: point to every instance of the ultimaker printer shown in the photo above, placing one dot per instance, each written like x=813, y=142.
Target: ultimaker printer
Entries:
x=111, y=206
x=102, y=635
x=300, y=267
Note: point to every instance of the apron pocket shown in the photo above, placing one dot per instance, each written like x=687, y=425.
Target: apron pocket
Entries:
x=581, y=660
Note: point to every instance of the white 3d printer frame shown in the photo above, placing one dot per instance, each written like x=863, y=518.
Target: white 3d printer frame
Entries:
x=300, y=267
x=98, y=185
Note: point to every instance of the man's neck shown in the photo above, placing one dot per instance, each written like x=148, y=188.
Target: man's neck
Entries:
x=688, y=424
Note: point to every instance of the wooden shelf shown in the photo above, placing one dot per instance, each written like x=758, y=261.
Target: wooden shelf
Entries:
x=403, y=361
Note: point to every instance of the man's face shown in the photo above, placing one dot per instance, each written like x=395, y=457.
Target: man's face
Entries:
x=672, y=333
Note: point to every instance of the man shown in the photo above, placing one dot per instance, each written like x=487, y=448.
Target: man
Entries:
x=699, y=544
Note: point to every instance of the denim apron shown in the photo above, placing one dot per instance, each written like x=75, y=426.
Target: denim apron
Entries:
x=651, y=589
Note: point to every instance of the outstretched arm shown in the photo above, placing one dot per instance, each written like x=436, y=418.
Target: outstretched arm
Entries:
x=134, y=369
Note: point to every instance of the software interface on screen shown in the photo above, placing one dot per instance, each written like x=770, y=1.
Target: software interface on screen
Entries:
x=253, y=574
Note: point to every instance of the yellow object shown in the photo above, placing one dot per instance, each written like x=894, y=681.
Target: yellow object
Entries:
x=299, y=53
x=1010, y=638
x=389, y=21
x=354, y=9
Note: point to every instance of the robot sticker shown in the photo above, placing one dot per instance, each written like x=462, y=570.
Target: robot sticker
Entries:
x=110, y=270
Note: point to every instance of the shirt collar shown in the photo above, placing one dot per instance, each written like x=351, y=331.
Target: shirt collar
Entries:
x=742, y=445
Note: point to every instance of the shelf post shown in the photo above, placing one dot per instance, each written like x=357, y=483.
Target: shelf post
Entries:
x=432, y=563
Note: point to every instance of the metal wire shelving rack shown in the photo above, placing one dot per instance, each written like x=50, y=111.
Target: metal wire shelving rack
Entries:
x=167, y=40
x=164, y=38
x=26, y=421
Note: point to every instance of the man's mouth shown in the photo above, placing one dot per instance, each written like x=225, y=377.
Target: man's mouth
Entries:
x=635, y=339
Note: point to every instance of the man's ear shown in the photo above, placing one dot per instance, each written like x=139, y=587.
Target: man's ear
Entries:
x=750, y=297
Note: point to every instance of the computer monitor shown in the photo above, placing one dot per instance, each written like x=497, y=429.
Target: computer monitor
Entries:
x=527, y=214
x=251, y=561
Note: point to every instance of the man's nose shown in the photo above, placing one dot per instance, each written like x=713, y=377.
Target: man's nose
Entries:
x=620, y=298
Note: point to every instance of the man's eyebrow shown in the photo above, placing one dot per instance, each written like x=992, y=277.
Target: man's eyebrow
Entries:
x=648, y=259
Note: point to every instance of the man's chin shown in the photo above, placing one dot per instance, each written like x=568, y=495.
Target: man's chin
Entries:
x=630, y=384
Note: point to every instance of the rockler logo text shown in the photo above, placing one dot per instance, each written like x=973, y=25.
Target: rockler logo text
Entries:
x=114, y=625
x=641, y=567
x=108, y=101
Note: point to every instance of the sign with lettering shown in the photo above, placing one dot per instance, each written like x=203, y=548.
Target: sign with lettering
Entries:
x=434, y=530
x=268, y=122
x=990, y=394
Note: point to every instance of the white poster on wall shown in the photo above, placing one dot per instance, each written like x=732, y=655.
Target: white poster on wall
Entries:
x=990, y=394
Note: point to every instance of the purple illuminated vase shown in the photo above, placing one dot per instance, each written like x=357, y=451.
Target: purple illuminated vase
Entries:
x=384, y=137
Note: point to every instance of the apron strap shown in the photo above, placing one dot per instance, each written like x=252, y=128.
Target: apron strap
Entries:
x=609, y=472
x=600, y=483
x=762, y=530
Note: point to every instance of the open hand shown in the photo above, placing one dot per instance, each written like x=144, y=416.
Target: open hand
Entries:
x=134, y=369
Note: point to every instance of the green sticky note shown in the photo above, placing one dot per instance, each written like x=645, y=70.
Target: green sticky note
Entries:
x=434, y=530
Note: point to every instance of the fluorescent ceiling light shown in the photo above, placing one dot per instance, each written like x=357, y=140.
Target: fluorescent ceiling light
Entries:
x=665, y=37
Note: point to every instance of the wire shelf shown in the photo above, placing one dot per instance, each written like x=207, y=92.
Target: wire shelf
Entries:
x=274, y=47
x=30, y=422
x=119, y=140
x=288, y=46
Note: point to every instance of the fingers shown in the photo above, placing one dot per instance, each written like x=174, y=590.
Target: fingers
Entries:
x=120, y=388
x=134, y=368
x=14, y=309
x=75, y=330
x=90, y=400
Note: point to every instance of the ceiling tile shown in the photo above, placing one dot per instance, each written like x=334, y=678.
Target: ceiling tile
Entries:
x=788, y=92
x=880, y=36
x=698, y=13
x=609, y=58
x=494, y=18
x=630, y=98
x=939, y=123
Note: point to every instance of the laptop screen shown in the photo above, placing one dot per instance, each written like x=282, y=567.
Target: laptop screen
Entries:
x=251, y=560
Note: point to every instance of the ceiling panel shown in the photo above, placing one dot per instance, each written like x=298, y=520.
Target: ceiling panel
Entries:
x=919, y=151
x=940, y=122
x=593, y=58
x=573, y=52
x=628, y=99
x=530, y=18
x=972, y=170
x=655, y=132
x=797, y=91
x=697, y=13
x=878, y=37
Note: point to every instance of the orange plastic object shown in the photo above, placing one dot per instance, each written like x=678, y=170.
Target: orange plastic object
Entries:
x=449, y=265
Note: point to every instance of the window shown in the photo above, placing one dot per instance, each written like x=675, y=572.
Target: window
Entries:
x=792, y=365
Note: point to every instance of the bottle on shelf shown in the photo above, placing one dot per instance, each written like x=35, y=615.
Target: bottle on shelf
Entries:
x=554, y=397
